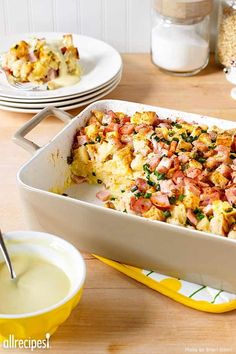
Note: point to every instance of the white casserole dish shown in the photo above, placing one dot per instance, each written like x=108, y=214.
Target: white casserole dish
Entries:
x=189, y=254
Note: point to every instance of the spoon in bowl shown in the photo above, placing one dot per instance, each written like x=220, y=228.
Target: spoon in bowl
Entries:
x=6, y=257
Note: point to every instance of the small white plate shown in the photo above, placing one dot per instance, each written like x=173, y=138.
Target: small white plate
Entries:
x=99, y=61
x=51, y=100
x=66, y=107
x=66, y=102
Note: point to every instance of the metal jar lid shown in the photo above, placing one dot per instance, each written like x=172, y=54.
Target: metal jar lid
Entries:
x=183, y=9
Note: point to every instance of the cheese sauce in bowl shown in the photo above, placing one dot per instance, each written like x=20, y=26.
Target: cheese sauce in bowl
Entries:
x=50, y=275
x=39, y=284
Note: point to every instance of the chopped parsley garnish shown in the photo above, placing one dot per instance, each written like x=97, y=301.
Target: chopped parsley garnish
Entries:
x=105, y=124
x=98, y=139
x=172, y=200
x=122, y=191
x=147, y=195
x=134, y=189
x=112, y=198
x=201, y=159
x=138, y=194
x=152, y=135
x=171, y=133
x=65, y=195
x=175, y=139
x=69, y=160
x=177, y=125
x=203, y=131
x=160, y=175
x=167, y=213
x=93, y=173
x=188, y=139
x=229, y=210
x=151, y=183
x=124, y=211
x=232, y=156
x=157, y=138
x=181, y=197
x=146, y=168
x=99, y=181
x=90, y=142
x=16, y=46
x=199, y=214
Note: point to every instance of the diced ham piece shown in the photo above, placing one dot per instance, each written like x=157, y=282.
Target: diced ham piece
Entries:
x=32, y=57
x=165, y=125
x=223, y=153
x=233, y=146
x=225, y=170
x=126, y=129
x=160, y=200
x=191, y=216
x=52, y=74
x=124, y=120
x=213, y=135
x=183, y=158
x=164, y=165
x=231, y=195
x=103, y=195
x=141, y=184
x=63, y=50
x=200, y=146
x=178, y=178
x=193, y=172
x=212, y=162
x=160, y=148
x=127, y=139
x=209, y=195
x=143, y=128
x=153, y=162
x=111, y=114
x=167, y=187
x=78, y=179
x=140, y=205
x=233, y=176
x=208, y=210
x=112, y=127
x=191, y=186
x=172, y=148
x=82, y=139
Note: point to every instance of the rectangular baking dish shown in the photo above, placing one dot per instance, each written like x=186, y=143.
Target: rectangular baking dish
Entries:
x=173, y=250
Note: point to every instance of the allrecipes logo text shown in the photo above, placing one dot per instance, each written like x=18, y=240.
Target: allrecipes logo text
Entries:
x=12, y=343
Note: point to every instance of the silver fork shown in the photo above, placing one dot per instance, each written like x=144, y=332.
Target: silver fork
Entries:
x=28, y=86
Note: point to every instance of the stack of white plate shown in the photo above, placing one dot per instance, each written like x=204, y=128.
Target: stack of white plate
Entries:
x=101, y=72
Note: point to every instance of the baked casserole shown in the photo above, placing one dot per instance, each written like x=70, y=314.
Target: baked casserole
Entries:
x=172, y=171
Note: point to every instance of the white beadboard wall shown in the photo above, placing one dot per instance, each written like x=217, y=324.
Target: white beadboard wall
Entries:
x=125, y=24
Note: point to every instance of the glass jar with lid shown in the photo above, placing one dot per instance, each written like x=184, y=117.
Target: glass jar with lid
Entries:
x=226, y=39
x=180, y=35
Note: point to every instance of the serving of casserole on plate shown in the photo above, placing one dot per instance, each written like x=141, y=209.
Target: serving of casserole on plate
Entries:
x=41, y=61
x=147, y=161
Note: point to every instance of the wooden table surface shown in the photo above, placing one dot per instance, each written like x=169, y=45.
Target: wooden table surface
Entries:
x=117, y=314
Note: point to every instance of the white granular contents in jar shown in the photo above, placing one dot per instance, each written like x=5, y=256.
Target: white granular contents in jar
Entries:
x=179, y=48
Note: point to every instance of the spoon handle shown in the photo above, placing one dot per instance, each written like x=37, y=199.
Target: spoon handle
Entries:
x=6, y=256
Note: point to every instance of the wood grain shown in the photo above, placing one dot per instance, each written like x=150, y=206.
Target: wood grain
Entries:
x=117, y=314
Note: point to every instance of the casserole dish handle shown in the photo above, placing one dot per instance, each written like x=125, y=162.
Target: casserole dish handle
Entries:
x=19, y=137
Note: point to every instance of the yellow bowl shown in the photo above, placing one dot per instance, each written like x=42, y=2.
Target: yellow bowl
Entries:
x=43, y=323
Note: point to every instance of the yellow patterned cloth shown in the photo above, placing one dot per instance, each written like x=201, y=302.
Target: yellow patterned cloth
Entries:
x=199, y=297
